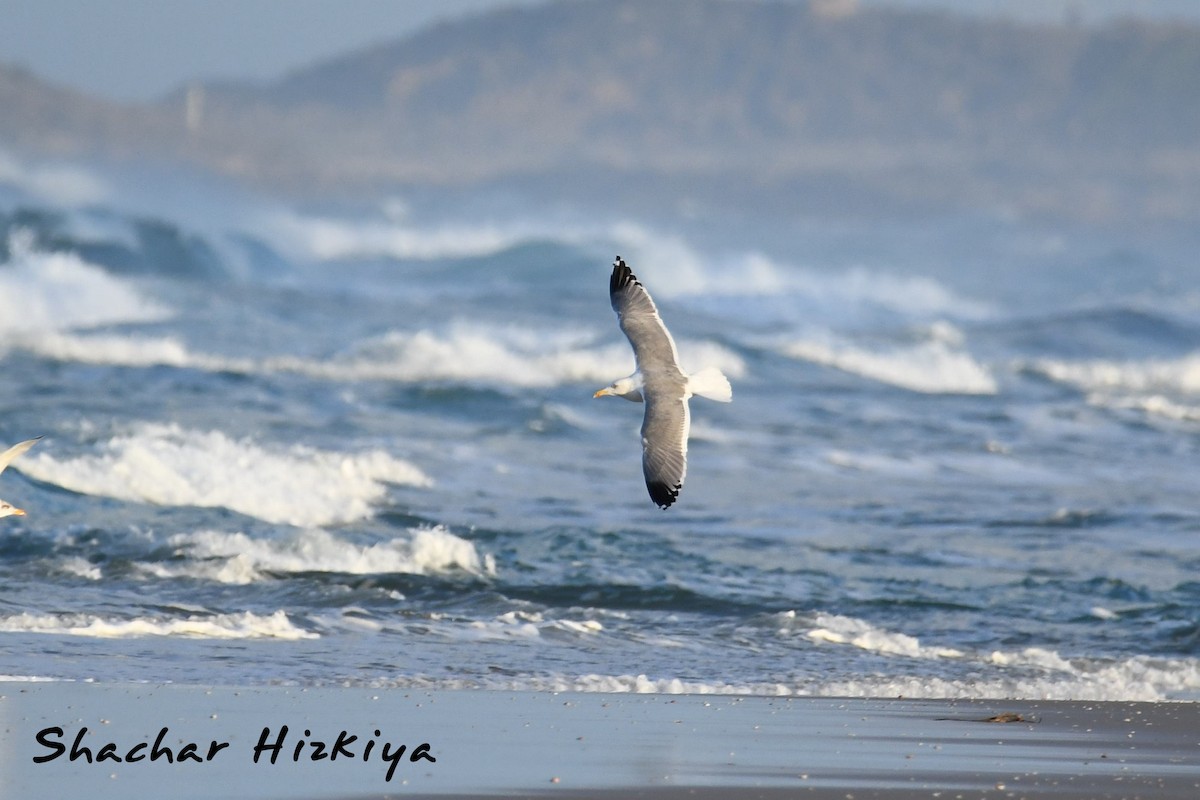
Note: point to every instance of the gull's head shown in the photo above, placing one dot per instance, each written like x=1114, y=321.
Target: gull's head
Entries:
x=630, y=388
x=9, y=510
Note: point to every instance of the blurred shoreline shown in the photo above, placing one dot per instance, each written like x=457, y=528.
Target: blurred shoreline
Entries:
x=506, y=744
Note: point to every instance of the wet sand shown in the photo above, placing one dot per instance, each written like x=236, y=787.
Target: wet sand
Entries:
x=477, y=744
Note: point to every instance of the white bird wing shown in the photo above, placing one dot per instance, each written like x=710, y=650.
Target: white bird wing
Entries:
x=11, y=453
x=664, y=386
x=664, y=447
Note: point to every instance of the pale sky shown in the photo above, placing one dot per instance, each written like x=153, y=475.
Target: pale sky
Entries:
x=138, y=50
x=142, y=49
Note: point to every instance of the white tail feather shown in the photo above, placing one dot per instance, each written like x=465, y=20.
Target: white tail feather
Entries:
x=711, y=383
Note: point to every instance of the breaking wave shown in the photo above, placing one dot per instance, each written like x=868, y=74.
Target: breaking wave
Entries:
x=1138, y=679
x=168, y=465
x=42, y=292
x=508, y=356
x=236, y=558
x=671, y=266
x=1030, y=673
x=245, y=625
x=1172, y=375
x=329, y=238
x=1159, y=388
x=936, y=366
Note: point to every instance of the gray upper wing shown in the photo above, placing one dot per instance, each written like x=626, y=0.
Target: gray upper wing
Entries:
x=652, y=344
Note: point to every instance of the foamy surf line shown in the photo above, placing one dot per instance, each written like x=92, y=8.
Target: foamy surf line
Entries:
x=1032, y=672
x=478, y=744
x=216, y=626
x=917, y=670
x=1138, y=679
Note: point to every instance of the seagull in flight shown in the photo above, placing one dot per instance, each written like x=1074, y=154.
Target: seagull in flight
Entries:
x=660, y=384
x=6, y=458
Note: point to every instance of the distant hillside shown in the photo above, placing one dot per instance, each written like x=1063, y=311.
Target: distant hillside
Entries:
x=815, y=108
x=47, y=120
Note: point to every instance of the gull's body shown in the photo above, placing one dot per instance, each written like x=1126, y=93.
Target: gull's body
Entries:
x=660, y=384
x=6, y=458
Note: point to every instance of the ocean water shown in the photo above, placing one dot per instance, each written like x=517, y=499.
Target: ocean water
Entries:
x=359, y=446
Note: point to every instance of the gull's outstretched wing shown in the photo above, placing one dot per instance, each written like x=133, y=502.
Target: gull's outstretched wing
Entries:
x=664, y=447
x=652, y=344
x=8, y=455
x=664, y=386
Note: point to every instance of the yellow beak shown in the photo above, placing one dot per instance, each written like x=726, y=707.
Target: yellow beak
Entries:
x=601, y=393
x=18, y=512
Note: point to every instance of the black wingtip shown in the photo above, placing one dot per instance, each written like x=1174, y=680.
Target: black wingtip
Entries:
x=622, y=276
x=663, y=494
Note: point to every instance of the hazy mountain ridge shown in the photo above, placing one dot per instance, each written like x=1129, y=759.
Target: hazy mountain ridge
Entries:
x=741, y=102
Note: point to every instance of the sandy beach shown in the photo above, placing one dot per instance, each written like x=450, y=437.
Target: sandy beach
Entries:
x=141, y=740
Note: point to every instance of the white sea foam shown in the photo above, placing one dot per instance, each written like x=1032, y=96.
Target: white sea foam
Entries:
x=236, y=558
x=80, y=567
x=672, y=266
x=1137, y=679
x=168, y=465
x=1178, y=376
x=217, y=626
x=393, y=234
x=683, y=270
x=328, y=238
x=489, y=630
x=837, y=629
x=128, y=351
x=918, y=669
x=43, y=292
x=522, y=625
x=512, y=356
x=587, y=627
x=1154, y=405
x=1029, y=673
x=936, y=366
x=497, y=356
x=516, y=356
x=641, y=684
x=1157, y=388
